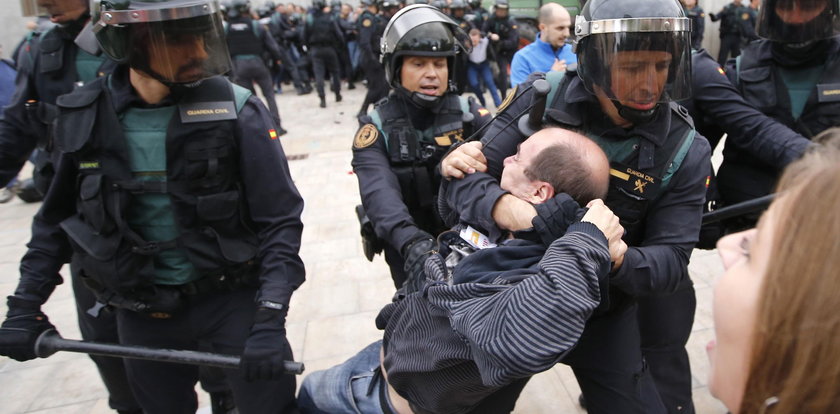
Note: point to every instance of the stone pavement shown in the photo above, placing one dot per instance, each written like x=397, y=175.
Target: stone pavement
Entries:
x=331, y=315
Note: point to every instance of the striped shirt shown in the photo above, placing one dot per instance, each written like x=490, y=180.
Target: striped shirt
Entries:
x=449, y=347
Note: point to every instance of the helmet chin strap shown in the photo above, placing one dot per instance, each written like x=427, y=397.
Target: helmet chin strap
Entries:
x=419, y=99
x=635, y=116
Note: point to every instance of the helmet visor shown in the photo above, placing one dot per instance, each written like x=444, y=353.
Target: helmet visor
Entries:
x=798, y=21
x=181, y=51
x=397, y=36
x=639, y=69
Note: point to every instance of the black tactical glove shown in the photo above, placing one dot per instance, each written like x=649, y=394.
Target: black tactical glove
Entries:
x=23, y=325
x=555, y=216
x=415, y=253
x=265, y=349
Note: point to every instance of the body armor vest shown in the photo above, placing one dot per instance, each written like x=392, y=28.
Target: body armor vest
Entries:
x=414, y=154
x=761, y=84
x=242, y=37
x=639, y=171
x=202, y=184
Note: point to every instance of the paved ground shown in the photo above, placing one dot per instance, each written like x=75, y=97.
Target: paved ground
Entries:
x=331, y=315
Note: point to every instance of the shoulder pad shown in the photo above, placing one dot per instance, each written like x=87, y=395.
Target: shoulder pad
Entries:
x=381, y=102
x=50, y=41
x=240, y=96
x=83, y=96
x=682, y=113
x=74, y=125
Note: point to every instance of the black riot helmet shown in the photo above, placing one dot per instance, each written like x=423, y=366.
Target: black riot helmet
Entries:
x=319, y=4
x=798, y=21
x=637, y=53
x=239, y=8
x=422, y=30
x=475, y=4
x=173, y=41
x=457, y=5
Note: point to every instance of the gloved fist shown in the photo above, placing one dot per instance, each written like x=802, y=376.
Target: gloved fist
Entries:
x=23, y=325
x=415, y=254
x=265, y=349
x=555, y=216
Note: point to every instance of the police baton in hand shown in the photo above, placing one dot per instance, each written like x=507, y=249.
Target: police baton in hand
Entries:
x=747, y=207
x=51, y=342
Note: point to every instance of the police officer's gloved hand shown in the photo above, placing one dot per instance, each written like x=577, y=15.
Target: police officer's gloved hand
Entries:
x=23, y=325
x=415, y=253
x=265, y=349
x=555, y=216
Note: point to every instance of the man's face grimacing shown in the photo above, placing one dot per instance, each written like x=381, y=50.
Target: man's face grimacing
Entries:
x=425, y=74
x=182, y=58
x=638, y=77
x=64, y=11
x=515, y=180
x=555, y=31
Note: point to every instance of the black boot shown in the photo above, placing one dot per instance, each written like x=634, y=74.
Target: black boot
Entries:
x=323, y=102
x=338, y=97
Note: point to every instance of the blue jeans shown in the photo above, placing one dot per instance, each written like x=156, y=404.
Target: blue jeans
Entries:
x=351, y=387
x=474, y=70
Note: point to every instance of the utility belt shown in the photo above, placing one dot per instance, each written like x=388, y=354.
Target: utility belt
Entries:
x=371, y=243
x=163, y=301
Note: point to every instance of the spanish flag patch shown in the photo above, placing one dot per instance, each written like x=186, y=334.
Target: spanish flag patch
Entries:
x=272, y=134
x=721, y=71
x=483, y=112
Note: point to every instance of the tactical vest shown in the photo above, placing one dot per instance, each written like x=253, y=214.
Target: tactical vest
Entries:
x=202, y=183
x=639, y=171
x=321, y=30
x=761, y=84
x=243, y=37
x=414, y=155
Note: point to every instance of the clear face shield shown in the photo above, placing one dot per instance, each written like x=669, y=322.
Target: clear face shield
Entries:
x=178, y=45
x=637, y=62
x=798, y=21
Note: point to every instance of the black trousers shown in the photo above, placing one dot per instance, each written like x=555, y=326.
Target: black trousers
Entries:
x=665, y=324
x=503, y=80
x=219, y=321
x=377, y=84
x=609, y=367
x=730, y=43
x=325, y=59
x=103, y=329
x=246, y=72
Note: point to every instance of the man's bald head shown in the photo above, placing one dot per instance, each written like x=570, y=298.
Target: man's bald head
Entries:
x=556, y=160
x=555, y=24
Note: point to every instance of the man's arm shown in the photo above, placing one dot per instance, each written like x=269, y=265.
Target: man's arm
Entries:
x=746, y=127
x=504, y=323
x=18, y=135
x=274, y=204
x=672, y=227
x=381, y=193
x=48, y=249
x=270, y=44
x=519, y=68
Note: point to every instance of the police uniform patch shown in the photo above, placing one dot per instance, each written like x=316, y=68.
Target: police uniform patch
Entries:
x=366, y=136
x=508, y=99
x=366, y=23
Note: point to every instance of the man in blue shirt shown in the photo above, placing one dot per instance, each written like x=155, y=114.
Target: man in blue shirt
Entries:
x=549, y=51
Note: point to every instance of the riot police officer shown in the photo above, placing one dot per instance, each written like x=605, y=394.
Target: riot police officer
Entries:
x=284, y=34
x=792, y=76
x=459, y=10
x=631, y=357
x=478, y=12
x=504, y=39
x=371, y=26
x=247, y=42
x=173, y=198
x=52, y=64
x=322, y=36
x=698, y=22
x=401, y=141
x=732, y=18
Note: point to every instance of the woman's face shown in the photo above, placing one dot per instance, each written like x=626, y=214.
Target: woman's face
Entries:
x=745, y=257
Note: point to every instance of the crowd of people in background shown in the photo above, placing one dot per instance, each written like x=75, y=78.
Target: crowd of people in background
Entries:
x=592, y=208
